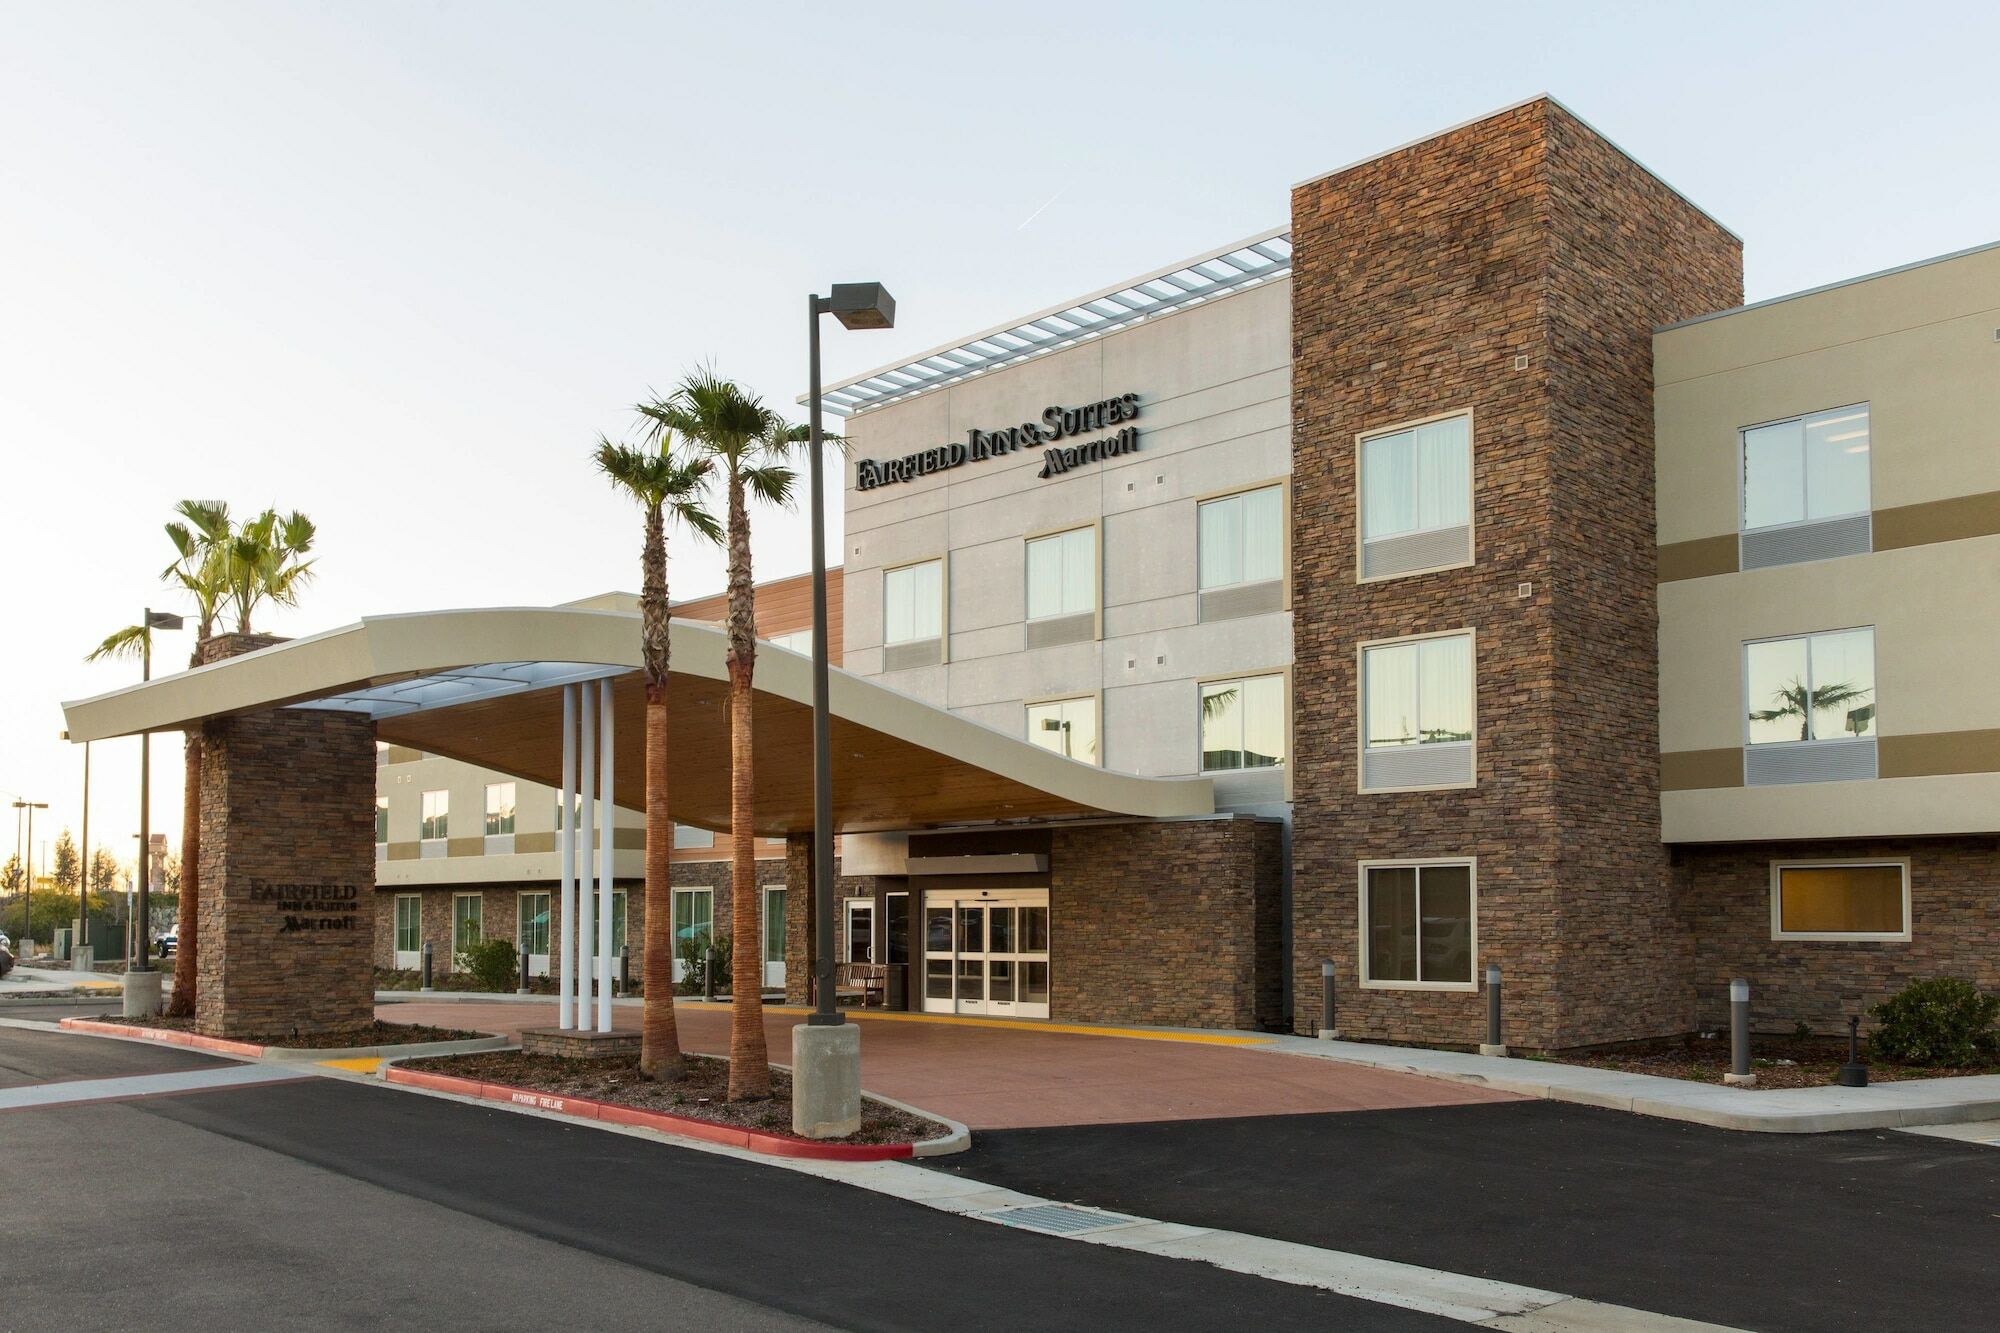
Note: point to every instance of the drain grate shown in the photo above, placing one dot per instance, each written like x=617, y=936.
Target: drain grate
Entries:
x=1056, y=1219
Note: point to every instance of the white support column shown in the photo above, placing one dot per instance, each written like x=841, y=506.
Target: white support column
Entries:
x=578, y=945
x=607, y=728
x=566, y=842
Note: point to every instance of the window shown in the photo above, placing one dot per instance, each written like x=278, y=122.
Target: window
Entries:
x=913, y=603
x=531, y=927
x=1067, y=726
x=1240, y=538
x=381, y=821
x=798, y=641
x=500, y=808
x=693, y=917
x=687, y=835
x=409, y=917
x=465, y=922
x=1417, y=925
x=774, y=925
x=1851, y=900
x=437, y=815
x=1806, y=469
x=1416, y=498
x=1243, y=724
x=1062, y=574
x=1818, y=687
x=1417, y=711
x=575, y=813
x=618, y=907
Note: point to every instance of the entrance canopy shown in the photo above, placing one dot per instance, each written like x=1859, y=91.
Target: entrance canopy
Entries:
x=483, y=686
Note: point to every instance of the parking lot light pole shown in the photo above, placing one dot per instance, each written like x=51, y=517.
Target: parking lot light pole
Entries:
x=28, y=873
x=826, y=1050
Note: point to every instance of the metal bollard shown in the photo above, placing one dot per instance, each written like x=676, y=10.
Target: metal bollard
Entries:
x=426, y=975
x=1492, y=1045
x=708, y=975
x=1853, y=1074
x=1328, y=1029
x=1739, y=1074
x=625, y=971
x=521, y=977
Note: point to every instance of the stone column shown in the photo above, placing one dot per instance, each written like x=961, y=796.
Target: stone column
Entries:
x=287, y=913
x=798, y=918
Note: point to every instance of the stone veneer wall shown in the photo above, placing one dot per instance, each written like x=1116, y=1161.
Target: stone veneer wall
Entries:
x=1176, y=923
x=799, y=951
x=1419, y=279
x=287, y=802
x=1726, y=894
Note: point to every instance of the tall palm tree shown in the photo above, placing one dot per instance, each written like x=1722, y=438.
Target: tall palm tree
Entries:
x=747, y=443
x=667, y=482
x=201, y=536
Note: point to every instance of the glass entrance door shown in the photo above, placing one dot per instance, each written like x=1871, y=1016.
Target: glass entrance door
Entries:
x=987, y=955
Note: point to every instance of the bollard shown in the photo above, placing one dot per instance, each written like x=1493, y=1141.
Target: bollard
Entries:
x=625, y=971
x=521, y=977
x=1492, y=1045
x=1328, y=1029
x=1853, y=1074
x=425, y=984
x=708, y=974
x=1739, y=1074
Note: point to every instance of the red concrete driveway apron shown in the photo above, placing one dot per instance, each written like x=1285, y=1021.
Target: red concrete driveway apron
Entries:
x=1022, y=1077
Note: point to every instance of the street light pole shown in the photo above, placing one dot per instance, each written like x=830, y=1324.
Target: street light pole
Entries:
x=826, y=1066
x=28, y=873
x=144, y=962
x=83, y=868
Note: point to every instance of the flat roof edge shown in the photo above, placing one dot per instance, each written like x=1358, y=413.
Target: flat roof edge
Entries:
x=1835, y=285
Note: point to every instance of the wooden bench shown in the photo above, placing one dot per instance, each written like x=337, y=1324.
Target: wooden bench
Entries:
x=869, y=981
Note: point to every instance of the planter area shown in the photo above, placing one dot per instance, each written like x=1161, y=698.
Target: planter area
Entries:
x=1778, y=1062
x=693, y=1104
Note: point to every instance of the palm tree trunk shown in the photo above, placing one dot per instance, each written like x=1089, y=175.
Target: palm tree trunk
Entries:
x=749, y=1056
x=660, y=1043
x=187, y=947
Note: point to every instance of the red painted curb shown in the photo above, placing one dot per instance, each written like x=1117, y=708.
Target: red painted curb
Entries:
x=164, y=1036
x=584, y=1108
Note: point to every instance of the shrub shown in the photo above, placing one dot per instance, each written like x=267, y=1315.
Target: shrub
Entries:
x=1942, y=1021
x=490, y=963
x=694, y=961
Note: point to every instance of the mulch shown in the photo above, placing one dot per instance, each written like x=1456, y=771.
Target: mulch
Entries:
x=1778, y=1062
x=374, y=1033
x=700, y=1091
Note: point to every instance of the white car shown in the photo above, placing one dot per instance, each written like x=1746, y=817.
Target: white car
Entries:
x=168, y=942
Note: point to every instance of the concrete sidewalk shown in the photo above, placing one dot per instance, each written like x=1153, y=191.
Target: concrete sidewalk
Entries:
x=26, y=982
x=1931, y=1101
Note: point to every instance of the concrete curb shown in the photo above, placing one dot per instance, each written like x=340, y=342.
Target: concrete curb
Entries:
x=1767, y=1111
x=757, y=1141
x=276, y=1054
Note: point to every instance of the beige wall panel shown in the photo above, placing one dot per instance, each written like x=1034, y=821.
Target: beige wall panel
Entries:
x=1895, y=807
x=1936, y=612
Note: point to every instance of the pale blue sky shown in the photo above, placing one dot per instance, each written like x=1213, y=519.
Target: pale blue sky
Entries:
x=398, y=264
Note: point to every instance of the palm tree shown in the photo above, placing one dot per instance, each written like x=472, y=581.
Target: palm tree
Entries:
x=263, y=562
x=749, y=442
x=1791, y=701
x=201, y=537
x=667, y=483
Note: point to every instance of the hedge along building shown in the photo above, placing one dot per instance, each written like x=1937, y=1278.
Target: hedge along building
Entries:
x=1427, y=534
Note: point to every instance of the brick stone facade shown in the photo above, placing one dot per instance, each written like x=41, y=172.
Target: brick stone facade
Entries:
x=287, y=868
x=1421, y=280
x=1725, y=893
x=1177, y=924
x=799, y=950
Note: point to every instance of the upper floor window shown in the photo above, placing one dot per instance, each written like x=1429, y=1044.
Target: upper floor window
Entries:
x=436, y=814
x=1805, y=469
x=1243, y=724
x=1067, y=726
x=687, y=835
x=1416, y=498
x=381, y=820
x=1417, y=710
x=500, y=808
x=1241, y=538
x=913, y=603
x=798, y=641
x=1062, y=574
x=1817, y=687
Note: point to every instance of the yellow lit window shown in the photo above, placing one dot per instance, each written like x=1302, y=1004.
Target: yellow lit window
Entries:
x=1841, y=901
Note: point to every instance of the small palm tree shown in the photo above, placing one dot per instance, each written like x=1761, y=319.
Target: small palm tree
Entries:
x=667, y=483
x=263, y=562
x=1792, y=701
x=749, y=444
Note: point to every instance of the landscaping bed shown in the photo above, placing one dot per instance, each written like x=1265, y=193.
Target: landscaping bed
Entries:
x=699, y=1092
x=1778, y=1062
x=373, y=1033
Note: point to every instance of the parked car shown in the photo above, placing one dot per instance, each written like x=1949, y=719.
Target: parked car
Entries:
x=169, y=941
x=6, y=954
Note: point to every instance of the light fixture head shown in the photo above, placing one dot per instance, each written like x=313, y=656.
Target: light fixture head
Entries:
x=862, y=305
x=163, y=620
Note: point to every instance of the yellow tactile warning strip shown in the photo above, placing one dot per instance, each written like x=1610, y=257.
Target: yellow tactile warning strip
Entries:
x=360, y=1064
x=1022, y=1024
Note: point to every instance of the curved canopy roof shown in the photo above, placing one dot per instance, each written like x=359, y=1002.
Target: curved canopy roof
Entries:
x=480, y=686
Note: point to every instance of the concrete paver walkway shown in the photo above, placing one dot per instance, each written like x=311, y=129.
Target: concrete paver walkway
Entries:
x=1016, y=1076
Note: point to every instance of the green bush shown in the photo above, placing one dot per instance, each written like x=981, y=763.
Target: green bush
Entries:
x=1942, y=1021
x=694, y=960
x=490, y=963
